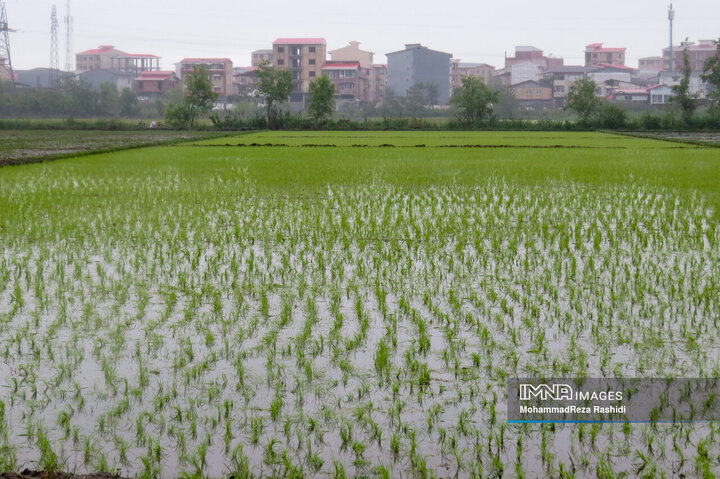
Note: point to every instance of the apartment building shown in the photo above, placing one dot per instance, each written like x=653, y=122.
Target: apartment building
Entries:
x=258, y=57
x=220, y=73
x=350, y=82
x=353, y=53
x=418, y=64
x=107, y=57
x=697, y=54
x=379, y=83
x=596, y=54
x=304, y=57
x=563, y=77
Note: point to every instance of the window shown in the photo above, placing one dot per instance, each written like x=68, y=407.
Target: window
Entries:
x=141, y=85
x=311, y=49
x=538, y=92
x=295, y=63
x=312, y=73
x=216, y=77
x=312, y=61
x=528, y=92
x=281, y=49
x=216, y=89
x=281, y=61
x=560, y=88
x=160, y=85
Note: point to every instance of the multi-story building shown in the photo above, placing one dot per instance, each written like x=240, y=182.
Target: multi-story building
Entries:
x=304, y=57
x=379, y=83
x=244, y=80
x=220, y=73
x=697, y=54
x=352, y=53
x=479, y=70
x=261, y=56
x=151, y=85
x=350, y=83
x=596, y=54
x=107, y=57
x=533, y=95
x=563, y=77
x=530, y=54
x=650, y=64
x=418, y=64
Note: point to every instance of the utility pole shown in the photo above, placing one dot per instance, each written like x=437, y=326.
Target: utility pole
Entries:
x=68, y=40
x=671, y=17
x=5, y=42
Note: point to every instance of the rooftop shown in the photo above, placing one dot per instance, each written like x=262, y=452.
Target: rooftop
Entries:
x=299, y=41
x=341, y=65
x=598, y=47
x=155, y=75
x=527, y=48
x=614, y=66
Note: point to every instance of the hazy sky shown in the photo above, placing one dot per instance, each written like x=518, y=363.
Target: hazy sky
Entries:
x=477, y=31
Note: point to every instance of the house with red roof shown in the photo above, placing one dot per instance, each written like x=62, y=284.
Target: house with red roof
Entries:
x=151, y=85
x=304, y=57
x=596, y=54
x=107, y=57
x=220, y=73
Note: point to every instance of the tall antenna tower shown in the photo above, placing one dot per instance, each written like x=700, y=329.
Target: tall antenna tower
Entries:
x=68, y=40
x=5, y=42
x=54, y=55
x=671, y=17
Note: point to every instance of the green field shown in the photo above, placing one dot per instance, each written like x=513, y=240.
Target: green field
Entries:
x=351, y=304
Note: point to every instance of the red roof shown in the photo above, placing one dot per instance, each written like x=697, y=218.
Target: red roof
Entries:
x=203, y=60
x=97, y=51
x=138, y=55
x=340, y=65
x=613, y=65
x=598, y=47
x=299, y=41
x=155, y=75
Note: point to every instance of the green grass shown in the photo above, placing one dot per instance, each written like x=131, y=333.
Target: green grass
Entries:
x=346, y=311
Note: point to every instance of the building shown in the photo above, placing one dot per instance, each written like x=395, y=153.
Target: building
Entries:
x=245, y=81
x=650, y=64
x=630, y=95
x=151, y=85
x=526, y=53
x=596, y=54
x=350, y=83
x=418, y=64
x=379, y=82
x=352, y=53
x=458, y=70
x=107, y=57
x=220, y=73
x=40, y=77
x=697, y=54
x=604, y=72
x=660, y=94
x=260, y=56
x=563, y=77
x=533, y=95
x=304, y=57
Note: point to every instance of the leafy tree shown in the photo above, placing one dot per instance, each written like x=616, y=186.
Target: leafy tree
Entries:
x=275, y=86
x=711, y=75
x=419, y=97
x=507, y=105
x=581, y=99
x=322, y=101
x=109, y=99
x=128, y=102
x=474, y=101
x=199, y=99
x=391, y=105
x=683, y=97
x=200, y=96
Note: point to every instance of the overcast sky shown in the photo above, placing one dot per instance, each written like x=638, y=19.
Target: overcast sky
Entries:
x=473, y=31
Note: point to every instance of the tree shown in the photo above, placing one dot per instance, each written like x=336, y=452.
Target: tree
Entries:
x=322, y=101
x=128, y=102
x=474, y=101
x=711, y=75
x=683, y=97
x=581, y=99
x=419, y=97
x=200, y=97
x=275, y=86
x=507, y=105
x=109, y=99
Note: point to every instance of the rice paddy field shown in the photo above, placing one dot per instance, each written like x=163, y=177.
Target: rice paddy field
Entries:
x=352, y=304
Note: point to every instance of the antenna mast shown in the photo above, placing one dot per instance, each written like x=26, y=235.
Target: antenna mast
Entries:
x=671, y=17
x=68, y=40
x=54, y=55
x=5, y=42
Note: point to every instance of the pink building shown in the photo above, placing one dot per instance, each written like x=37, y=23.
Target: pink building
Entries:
x=220, y=73
x=596, y=54
x=151, y=85
x=350, y=84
